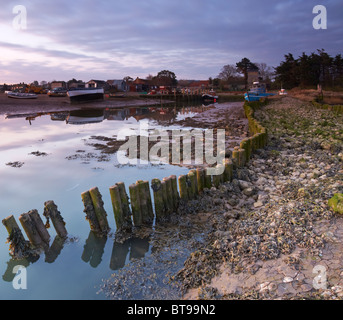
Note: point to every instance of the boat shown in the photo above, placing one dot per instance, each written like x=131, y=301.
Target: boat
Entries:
x=257, y=91
x=19, y=95
x=85, y=95
x=252, y=97
x=211, y=96
x=57, y=92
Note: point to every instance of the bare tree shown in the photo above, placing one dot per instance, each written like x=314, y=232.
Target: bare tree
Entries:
x=228, y=72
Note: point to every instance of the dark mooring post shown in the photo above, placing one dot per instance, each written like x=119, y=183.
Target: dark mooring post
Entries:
x=183, y=186
x=51, y=211
x=120, y=204
x=175, y=193
x=201, y=179
x=41, y=229
x=145, y=202
x=135, y=205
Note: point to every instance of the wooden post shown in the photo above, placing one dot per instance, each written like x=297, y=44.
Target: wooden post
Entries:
x=208, y=180
x=135, y=205
x=30, y=229
x=18, y=245
x=235, y=156
x=145, y=202
x=193, y=187
x=176, y=197
x=50, y=211
x=228, y=171
x=160, y=211
x=100, y=212
x=201, y=179
x=90, y=212
x=40, y=226
x=183, y=187
x=120, y=204
x=170, y=201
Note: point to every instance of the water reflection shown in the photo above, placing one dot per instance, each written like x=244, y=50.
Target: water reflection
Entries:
x=162, y=114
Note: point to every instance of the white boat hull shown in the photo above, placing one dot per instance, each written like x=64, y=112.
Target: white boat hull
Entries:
x=86, y=95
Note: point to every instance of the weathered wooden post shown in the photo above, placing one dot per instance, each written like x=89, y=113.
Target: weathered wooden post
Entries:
x=90, y=212
x=42, y=231
x=135, y=205
x=183, y=186
x=30, y=229
x=176, y=197
x=145, y=202
x=208, y=180
x=51, y=211
x=160, y=211
x=18, y=245
x=228, y=170
x=218, y=179
x=201, y=179
x=193, y=186
x=169, y=199
x=122, y=213
x=100, y=212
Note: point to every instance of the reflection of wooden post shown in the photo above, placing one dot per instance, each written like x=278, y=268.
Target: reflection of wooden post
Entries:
x=100, y=212
x=50, y=211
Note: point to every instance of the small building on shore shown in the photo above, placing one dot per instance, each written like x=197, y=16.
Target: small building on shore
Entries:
x=58, y=84
x=97, y=84
x=118, y=85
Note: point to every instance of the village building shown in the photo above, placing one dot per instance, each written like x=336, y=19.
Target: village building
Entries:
x=58, y=84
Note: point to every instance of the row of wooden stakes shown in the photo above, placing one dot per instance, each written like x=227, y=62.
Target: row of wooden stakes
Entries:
x=34, y=228
x=138, y=209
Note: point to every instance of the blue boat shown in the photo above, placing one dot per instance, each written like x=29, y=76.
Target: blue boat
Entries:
x=256, y=92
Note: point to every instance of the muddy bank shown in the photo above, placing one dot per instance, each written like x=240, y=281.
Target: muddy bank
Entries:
x=46, y=104
x=265, y=235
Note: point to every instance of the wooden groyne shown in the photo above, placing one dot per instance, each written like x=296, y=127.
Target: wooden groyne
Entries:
x=138, y=209
x=35, y=230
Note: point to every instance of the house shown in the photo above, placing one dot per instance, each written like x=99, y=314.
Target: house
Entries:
x=199, y=85
x=118, y=85
x=140, y=85
x=58, y=84
x=97, y=84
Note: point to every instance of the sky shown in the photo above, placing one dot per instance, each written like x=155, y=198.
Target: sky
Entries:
x=113, y=39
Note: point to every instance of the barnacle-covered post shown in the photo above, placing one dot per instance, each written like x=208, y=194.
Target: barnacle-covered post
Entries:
x=51, y=211
x=122, y=214
x=90, y=212
x=145, y=202
x=18, y=244
x=100, y=212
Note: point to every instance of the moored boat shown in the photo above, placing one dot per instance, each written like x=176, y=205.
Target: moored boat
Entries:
x=86, y=95
x=19, y=95
x=211, y=96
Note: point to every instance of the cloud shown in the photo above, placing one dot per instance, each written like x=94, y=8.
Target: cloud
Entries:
x=193, y=38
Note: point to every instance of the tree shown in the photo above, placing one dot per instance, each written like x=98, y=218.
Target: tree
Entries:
x=244, y=66
x=166, y=78
x=228, y=72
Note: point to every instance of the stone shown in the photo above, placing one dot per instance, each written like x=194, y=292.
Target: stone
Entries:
x=336, y=203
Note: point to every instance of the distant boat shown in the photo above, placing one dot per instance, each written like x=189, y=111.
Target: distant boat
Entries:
x=19, y=95
x=85, y=116
x=86, y=95
x=211, y=96
x=256, y=92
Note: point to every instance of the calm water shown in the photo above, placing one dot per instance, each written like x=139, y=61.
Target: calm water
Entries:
x=65, y=166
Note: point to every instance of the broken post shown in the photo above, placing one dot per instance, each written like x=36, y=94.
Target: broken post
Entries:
x=51, y=211
x=193, y=186
x=30, y=229
x=201, y=179
x=90, y=212
x=183, y=187
x=42, y=231
x=100, y=212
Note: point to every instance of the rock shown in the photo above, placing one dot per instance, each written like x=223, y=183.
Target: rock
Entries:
x=258, y=204
x=248, y=192
x=336, y=203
